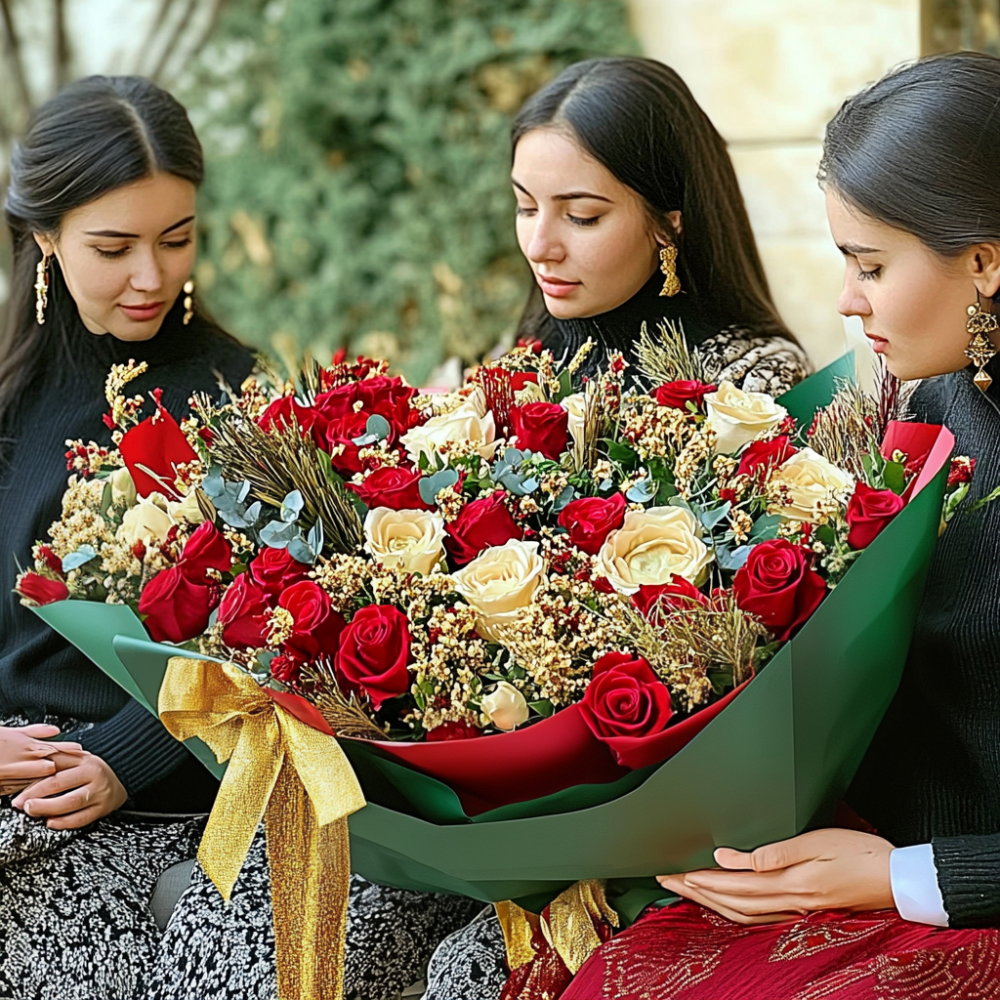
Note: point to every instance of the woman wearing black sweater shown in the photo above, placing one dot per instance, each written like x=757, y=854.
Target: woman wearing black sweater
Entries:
x=101, y=206
x=910, y=170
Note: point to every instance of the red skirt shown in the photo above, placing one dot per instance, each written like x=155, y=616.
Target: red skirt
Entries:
x=690, y=953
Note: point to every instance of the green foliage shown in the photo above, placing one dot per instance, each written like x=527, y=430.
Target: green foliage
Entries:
x=358, y=186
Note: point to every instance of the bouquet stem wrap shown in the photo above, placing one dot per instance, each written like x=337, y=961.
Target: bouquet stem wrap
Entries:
x=569, y=925
x=300, y=783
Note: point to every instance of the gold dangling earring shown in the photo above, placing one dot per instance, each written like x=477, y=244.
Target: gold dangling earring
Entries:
x=188, y=301
x=668, y=265
x=981, y=350
x=41, y=289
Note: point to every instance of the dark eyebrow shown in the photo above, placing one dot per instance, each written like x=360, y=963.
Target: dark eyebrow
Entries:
x=571, y=196
x=113, y=234
x=852, y=249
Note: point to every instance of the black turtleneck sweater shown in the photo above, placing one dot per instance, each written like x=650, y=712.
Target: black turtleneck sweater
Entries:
x=932, y=773
x=40, y=673
x=618, y=329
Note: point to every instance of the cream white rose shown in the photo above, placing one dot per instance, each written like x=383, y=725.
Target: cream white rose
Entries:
x=810, y=486
x=186, y=509
x=576, y=406
x=123, y=487
x=653, y=545
x=506, y=707
x=147, y=521
x=410, y=540
x=737, y=417
x=463, y=424
x=500, y=582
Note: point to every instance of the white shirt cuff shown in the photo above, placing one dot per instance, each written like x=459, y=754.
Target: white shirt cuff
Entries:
x=915, y=889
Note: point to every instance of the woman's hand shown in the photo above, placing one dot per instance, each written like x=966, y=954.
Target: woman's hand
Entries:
x=83, y=789
x=25, y=758
x=822, y=870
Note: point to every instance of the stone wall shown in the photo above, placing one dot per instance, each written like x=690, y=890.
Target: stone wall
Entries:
x=770, y=74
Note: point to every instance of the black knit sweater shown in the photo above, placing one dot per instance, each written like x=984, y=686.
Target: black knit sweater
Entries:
x=932, y=773
x=40, y=673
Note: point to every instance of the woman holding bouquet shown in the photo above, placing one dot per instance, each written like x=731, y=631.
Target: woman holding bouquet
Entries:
x=910, y=171
x=629, y=214
x=101, y=206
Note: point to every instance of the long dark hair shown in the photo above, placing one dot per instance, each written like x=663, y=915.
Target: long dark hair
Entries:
x=920, y=151
x=638, y=118
x=95, y=136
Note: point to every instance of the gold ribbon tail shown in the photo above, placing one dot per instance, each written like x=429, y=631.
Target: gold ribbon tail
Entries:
x=569, y=927
x=299, y=781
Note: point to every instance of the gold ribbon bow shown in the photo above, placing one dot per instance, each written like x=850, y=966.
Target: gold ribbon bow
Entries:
x=300, y=783
x=570, y=927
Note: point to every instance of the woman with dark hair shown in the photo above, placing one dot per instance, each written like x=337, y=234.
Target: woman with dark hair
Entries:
x=629, y=214
x=101, y=206
x=911, y=169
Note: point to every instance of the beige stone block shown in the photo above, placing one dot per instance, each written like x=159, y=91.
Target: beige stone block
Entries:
x=779, y=186
x=777, y=69
x=805, y=276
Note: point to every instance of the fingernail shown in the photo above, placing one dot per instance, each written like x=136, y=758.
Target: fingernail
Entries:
x=27, y=808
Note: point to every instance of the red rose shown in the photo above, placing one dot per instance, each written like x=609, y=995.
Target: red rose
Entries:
x=679, y=394
x=541, y=427
x=589, y=520
x=655, y=601
x=176, y=607
x=206, y=549
x=778, y=586
x=452, y=731
x=243, y=613
x=763, y=455
x=395, y=487
x=284, y=413
x=338, y=441
x=285, y=669
x=41, y=589
x=374, y=651
x=388, y=397
x=624, y=701
x=274, y=570
x=479, y=525
x=868, y=512
x=316, y=626
x=518, y=380
x=54, y=563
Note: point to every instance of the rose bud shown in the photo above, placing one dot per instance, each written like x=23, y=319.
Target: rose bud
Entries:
x=40, y=589
x=206, y=549
x=765, y=455
x=274, y=570
x=176, y=608
x=506, y=707
x=243, y=614
x=479, y=525
x=868, y=512
x=395, y=487
x=316, y=626
x=679, y=394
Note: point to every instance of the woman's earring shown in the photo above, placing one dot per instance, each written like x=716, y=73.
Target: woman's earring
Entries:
x=668, y=265
x=188, y=301
x=981, y=350
x=41, y=289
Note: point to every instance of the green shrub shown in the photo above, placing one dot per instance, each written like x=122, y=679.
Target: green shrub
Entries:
x=358, y=189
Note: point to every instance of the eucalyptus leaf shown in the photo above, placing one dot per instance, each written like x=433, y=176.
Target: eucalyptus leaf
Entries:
x=213, y=484
x=315, y=537
x=642, y=491
x=563, y=500
x=292, y=506
x=711, y=519
x=378, y=427
x=765, y=528
x=431, y=486
x=277, y=534
x=530, y=484
x=79, y=558
x=244, y=490
x=732, y=559
x=301, y=551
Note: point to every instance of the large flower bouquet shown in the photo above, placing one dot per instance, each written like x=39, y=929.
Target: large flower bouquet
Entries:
x=598, y=569
x=563, y=631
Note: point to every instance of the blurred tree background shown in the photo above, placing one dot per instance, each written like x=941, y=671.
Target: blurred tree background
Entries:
x=358, y=188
